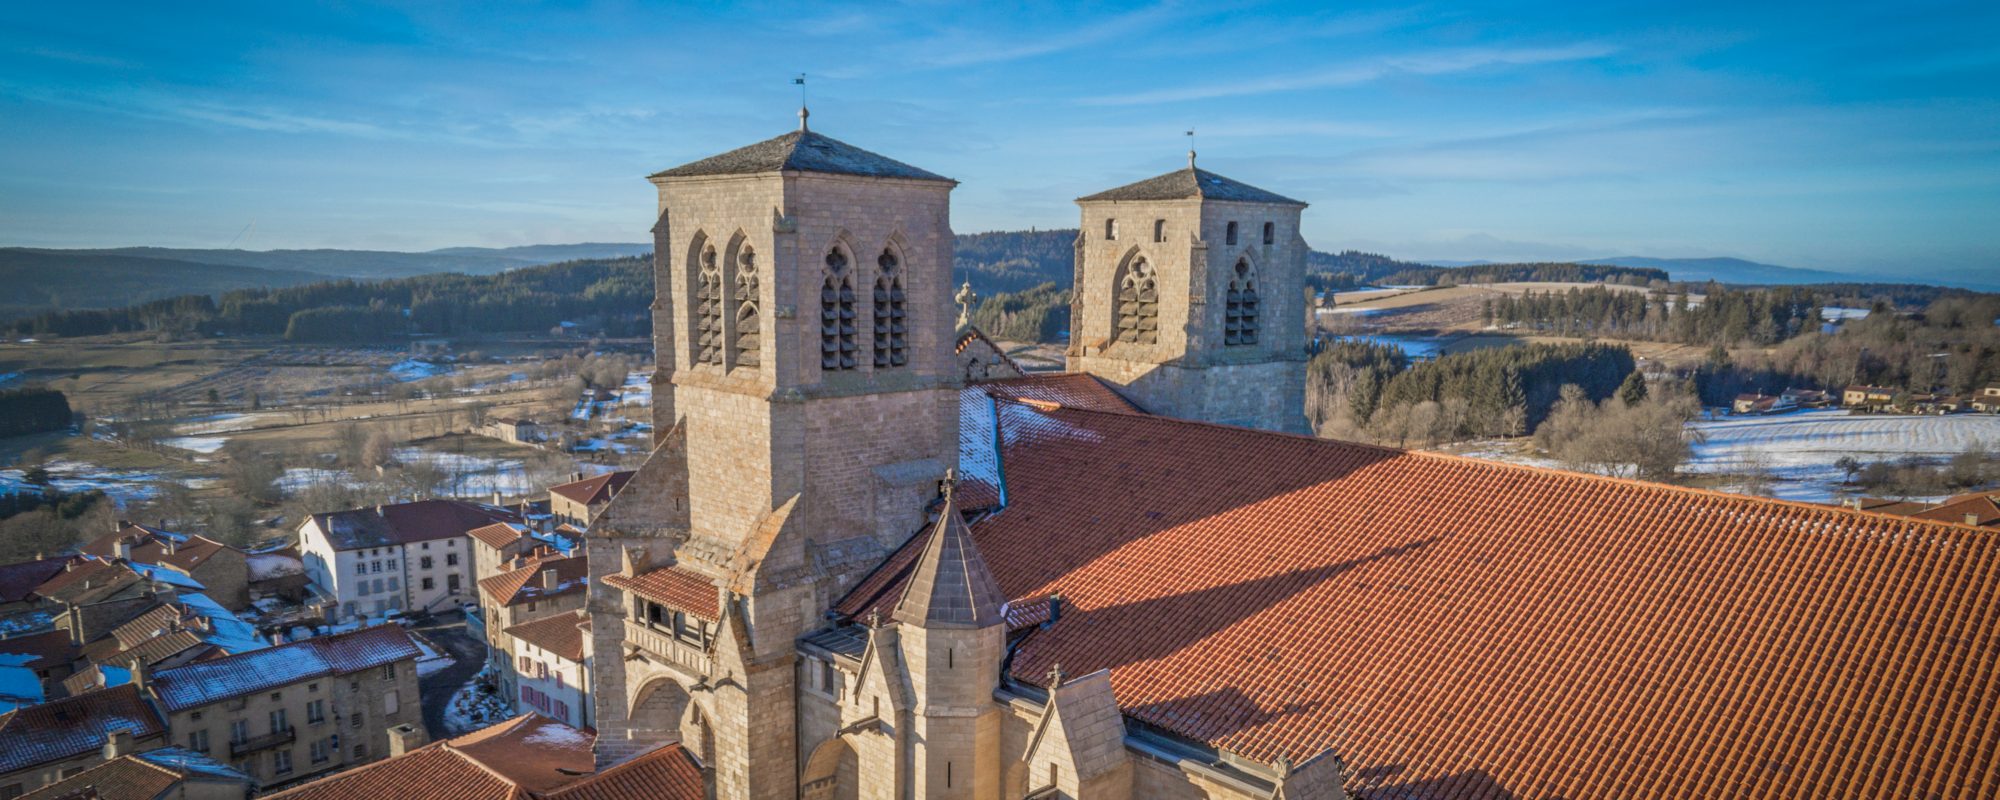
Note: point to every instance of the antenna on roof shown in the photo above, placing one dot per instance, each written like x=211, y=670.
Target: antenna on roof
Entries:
x=800, y=82
x=1190, y=135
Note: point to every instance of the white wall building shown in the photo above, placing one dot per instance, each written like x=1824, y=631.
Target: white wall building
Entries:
x=551, y=657
x=402, y=557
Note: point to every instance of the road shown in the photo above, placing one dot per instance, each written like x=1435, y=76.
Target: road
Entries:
x=436, y=689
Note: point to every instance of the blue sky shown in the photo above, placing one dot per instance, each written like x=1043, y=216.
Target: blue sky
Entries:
x=1860, y=137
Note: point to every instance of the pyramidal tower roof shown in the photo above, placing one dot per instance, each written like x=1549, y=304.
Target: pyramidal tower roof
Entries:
x=1189, y=183
x=802, y=150
x=950, y=587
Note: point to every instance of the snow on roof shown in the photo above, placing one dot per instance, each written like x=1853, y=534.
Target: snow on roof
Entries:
x=230, y=632
x=207, y=682
x=268, y=566
x=19, y=685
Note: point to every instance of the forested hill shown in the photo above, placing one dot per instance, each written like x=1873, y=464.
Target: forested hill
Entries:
x=600, y=295
x=40, y=280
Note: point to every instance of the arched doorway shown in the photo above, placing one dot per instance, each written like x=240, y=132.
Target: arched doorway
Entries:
x=658, y=711
x=832, y=773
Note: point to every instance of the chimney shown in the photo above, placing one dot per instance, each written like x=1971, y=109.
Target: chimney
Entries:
x=404, y=738
x=550, y=580
x=117, y=743
x=170, y=545
x=139, y=676
x=125, y=549
x=1972, y=519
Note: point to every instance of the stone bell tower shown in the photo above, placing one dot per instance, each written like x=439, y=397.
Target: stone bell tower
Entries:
x=1190, y=298
x=808, y=402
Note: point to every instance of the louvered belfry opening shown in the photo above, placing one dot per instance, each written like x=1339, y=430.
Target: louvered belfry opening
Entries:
x=749, y=346
x=891, y=344
x=708, y=309
x=836, y=314
x=1239, y=325
x=1139, y=304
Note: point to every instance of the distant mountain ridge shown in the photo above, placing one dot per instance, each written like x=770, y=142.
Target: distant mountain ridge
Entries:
x=40, y=280
x=1729, y=270
x=383, y=263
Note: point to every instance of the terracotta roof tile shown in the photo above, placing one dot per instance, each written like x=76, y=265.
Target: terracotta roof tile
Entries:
x=499, y=535
x=1453, y=627
x=183, y=552
x=561, y=634
x=142, y=776
x=18, y=581
x=665, y=773
x=680, y=588
x=73, y=726
x=524, y=584
x=524, y=757
x=594, y=489
x=50, y=648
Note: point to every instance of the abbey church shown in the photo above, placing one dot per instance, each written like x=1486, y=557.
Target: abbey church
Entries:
x=869, y=558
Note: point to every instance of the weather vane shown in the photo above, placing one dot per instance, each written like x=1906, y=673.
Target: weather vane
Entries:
x=800, y=82
x=1190, y=135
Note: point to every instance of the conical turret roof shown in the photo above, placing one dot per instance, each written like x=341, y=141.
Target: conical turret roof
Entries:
x=950, y=586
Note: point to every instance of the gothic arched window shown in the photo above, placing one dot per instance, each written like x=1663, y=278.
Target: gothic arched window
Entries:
x=1239, y=322
x=836, y=313
x=748, y=344
x=708, y=308
x=891, y=346
x=1138, y=304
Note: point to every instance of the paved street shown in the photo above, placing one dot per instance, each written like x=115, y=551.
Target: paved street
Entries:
x=468, y=655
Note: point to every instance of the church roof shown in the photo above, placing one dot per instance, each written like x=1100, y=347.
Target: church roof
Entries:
x=1189, y=183
x=1454, y=626
x=950, y=586
x=802, y=151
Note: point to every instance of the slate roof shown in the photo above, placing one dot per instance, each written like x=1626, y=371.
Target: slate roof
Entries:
x=207, y=682
x=529, y=757
x=594, y=489
x=141, y=776
x=802, y=151
x=73, y=726
x=683, y=589
x=524, y=584
x=561, y=634
x=407, y=523
x=1189, y=183
x=1458, y=627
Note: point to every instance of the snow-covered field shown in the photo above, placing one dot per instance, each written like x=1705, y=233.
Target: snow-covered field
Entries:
x=1798, y=450
x=76, y=476
x=411, y=369
x=197, y=444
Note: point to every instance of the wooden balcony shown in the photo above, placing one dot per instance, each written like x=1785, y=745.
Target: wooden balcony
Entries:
x=667, y=648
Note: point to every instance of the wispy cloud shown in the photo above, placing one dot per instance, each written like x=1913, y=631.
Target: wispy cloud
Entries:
x=1439, y=62
x=959, y=50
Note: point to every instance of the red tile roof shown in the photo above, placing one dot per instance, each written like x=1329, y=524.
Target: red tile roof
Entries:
x=595, y=489
x=561, y=634
x=673, y=586
x=73, y=726
x=499, y=535
x=151, y=546
x=86, y=577
x=1068, y=390
x=18, y=581
x=524, y=585
x=1457, y=627
x=50, y=648
x=143, y=776
x=1970, y=509
x=524, y=758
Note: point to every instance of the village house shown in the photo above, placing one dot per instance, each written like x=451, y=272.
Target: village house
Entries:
x=1759, y=403
x=578, y=502
x=45, y=743
x=543, y=586
x=530, y=757
x=18, y=582
x=290, y=712
x=93, y=595
x=415, y=557
x=1806, y=398
x=551, y=665
x=513, y=431
x=168, y=773
x=222, y=570
x=1868, y=398
x=1987, y=399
